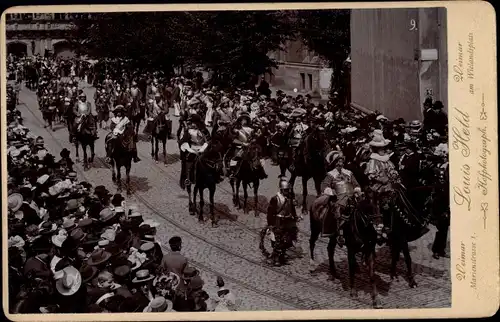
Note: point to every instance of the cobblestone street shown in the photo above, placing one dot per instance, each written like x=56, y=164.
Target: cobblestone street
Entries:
x=231, y=250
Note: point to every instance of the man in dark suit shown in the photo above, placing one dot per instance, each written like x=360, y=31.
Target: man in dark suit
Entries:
x=174, y=261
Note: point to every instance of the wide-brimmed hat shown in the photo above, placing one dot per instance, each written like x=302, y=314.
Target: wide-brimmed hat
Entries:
x=195, y=118
x=70, y=282
x=415, y=124
x=98, y=257
x=381, y=117
x=15, y=201
x=78, y=235
x=85, y=222
x=88, y=272
x=117, y=199
x=69, y=225
x=244, y=115
x=297, y=112
x=122, y=271
x=106, y=214
x=109, y=234
x=334, y=156
x=142, y=275
x=118, y=109
x=47, y=227
x=72, y=205
x=159, y=304
x=147, y=246
x=59, y=239
x=378, y=140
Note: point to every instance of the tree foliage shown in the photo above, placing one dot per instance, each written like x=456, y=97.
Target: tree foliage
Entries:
x=232, y=44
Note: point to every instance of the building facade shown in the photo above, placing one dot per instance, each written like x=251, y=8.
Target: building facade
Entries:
x=300, y=68
x=41, y=34
x=398, y=58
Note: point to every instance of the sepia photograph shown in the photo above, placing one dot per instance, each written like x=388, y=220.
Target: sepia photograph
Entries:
x=227, y=160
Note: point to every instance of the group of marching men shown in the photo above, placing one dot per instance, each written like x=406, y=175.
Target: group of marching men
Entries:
x=250, y=113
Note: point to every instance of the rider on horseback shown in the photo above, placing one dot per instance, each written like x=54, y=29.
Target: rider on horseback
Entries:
x=83, y=110
x=119, y=124
x=194, y=142
x=297, y=129
x=244, y=133
x=345, y=185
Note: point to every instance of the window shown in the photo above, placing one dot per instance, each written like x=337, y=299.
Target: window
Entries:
x=310, y=81
x=303, y=79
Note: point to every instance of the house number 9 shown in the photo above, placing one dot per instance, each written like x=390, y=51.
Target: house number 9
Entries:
x=413, y=24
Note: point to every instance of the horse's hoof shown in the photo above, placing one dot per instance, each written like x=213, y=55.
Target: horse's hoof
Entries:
x=113, y=179
x=312, y=266
x=215, y=224
x=156, y=161
x=412, y=283
x=354, y=294
x=256, y=214
x=129, y=193
x=245, y=211
x=395, y=277
x=165, y=164
x=376, y=304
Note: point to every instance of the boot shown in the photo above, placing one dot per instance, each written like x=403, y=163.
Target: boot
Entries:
x=340, y=239
x=262, y=173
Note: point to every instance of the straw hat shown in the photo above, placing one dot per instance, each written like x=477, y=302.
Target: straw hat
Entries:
x=333, y=156
x=70, y=282
x=98, y=256
x=15, y=201
x=142, y=275
x=107, y=214
x=159, y=304
x=378, y=139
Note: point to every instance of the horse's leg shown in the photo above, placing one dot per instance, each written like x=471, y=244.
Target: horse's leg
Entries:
x=202, y=204
x=370, y=261
x=237, y=195
x=152, y=146
x=245, y=196
x=156, y=149
x=212, y=205
x=92, y=152
x=406, y=253
x=233, y=183
x=256, y=184
x=351, y=257
x=293, y=176
x=113, y=176
x=164, y=143
x=395, y=253
x=317, y=185
x=192, y=204
x=331, y=253
x=315, y=231
x=77, y=147
x=118, y=177
x=127, y=173
x=85, y=164
x=304, y=194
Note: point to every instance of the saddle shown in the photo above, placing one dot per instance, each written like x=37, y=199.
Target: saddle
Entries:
x=325, y=215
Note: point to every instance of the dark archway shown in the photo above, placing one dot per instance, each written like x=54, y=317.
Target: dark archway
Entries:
x=17, y=48
x=64, y=50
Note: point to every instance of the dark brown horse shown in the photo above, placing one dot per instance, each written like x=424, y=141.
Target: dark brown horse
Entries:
x=83, y=135
x=206, y=167
x=160, y=131
x=359, y=234
x=121, y=154
x=136, y=112
x=308, y=161
x=247, y=173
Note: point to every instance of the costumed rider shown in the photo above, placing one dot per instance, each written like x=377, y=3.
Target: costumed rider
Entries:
x=82, y=110
x=194, y=142
x=244, y=135
x=120, y=126
x=381, y=173
x=345, y=186
x=298, y=129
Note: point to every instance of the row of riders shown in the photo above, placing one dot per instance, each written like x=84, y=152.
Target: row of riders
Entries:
x=376, y=180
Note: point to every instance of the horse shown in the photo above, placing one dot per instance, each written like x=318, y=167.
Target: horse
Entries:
x=359, y=233
x=246, y=174
x=121, y=156
x=84, y=137
x=136, y=113
x=308, y=162
x=206, y=170
x=160, y=133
